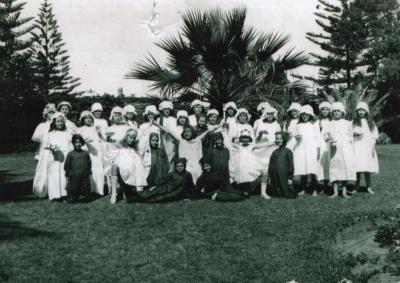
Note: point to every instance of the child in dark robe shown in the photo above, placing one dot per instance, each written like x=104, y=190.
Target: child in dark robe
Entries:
x=219, y=158
x=178, y=185
x=210, y=185
x=156, y=161
x=281, y=169
x=78, y=168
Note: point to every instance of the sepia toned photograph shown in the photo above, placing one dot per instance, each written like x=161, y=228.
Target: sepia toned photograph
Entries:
x=200, y=141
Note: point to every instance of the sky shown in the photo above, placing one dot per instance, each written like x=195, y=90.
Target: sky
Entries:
x=105, y=38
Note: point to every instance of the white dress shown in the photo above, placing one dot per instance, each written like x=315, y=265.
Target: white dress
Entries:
x=305, y=151
x=39, y=136
x=245, y=163
x=232, y=131
x=130, y=167
x=168, y=141
x=71, y=127
x=325, y=156
x=132, y=125
x=342, y=167
x=291, y=128
x=50, y=175
x=95, y=148
x=112, y=148
x=365, y=156
x=193, y=151
x=268, y=136
x=102, y=125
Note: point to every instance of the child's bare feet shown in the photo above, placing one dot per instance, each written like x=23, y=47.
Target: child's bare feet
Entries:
x=214, y=196
x=370, y=191
x=301, y=193
x=315, y=194
x=344, y=193
x=265, y=196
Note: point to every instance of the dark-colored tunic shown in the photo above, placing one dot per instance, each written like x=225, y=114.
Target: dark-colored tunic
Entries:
x=78, y=168
x=219, y=159
x=280, y=170
x=210, y=183
x=177, y=186
x=159, y=167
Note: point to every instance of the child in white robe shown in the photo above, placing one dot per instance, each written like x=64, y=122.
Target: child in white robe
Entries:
x=49, y=176
x=41, y=130
x=230, y=110
x=99, y=123
x=307, y=149
x=197, y=107
x=128, y=165
x=94, y=145
x=167, y=120
x=365, y=136
x=265, y=131
x=150, y=115
x=260, y=109
x=291, y=122
x=342, y=167
x=242, y=123
x=66, y=108
x=325, y=156
x=130, y=116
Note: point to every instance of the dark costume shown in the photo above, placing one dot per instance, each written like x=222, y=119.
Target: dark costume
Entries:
x=78, y=168
x=280, y=170
x=211, y=183
x=219, y=161
x=159, y=167
x=176, y=186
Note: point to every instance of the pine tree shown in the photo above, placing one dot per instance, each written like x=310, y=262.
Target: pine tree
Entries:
x=49, y=58
x=343, y=41
x=15, y=72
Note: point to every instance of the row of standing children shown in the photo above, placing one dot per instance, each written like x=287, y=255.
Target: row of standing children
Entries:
x=330, y=149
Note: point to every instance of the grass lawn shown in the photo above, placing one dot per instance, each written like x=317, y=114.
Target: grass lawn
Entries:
x=200, y=241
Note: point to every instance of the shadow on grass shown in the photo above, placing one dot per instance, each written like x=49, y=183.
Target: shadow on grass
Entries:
x=15, y=187
x=11, y=230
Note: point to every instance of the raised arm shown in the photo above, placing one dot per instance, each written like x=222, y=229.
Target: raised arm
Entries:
x=168, y=131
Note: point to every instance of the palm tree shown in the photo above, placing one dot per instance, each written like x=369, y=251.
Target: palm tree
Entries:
x=215, y=55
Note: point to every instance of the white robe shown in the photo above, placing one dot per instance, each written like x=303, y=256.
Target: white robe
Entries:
x=365, y=156
x=246, y=164
x=102, y=125
x=112, y=148
x=268, y=137
x=95, y=148
x=130, y=167
x=168, y=141
x=325, y=155
x=342, y=167
x=50, y=175
x=193, y=151
x=40, y=135
x=237, y=128
x=71, y=127
x=291, y=128
x=305, y=151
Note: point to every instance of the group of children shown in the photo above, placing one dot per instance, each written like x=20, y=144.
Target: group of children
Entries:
x=202, y=155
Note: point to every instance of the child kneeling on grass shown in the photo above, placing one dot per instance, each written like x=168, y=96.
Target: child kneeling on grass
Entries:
x=78, y=168
x=211, y=185
x=280, y=170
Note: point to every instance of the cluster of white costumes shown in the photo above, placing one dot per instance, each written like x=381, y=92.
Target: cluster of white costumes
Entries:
x=247, y=163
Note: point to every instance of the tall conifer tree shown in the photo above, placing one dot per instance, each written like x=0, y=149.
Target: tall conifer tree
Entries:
x=15, y=72
x=343, y=40
x=49, y=58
